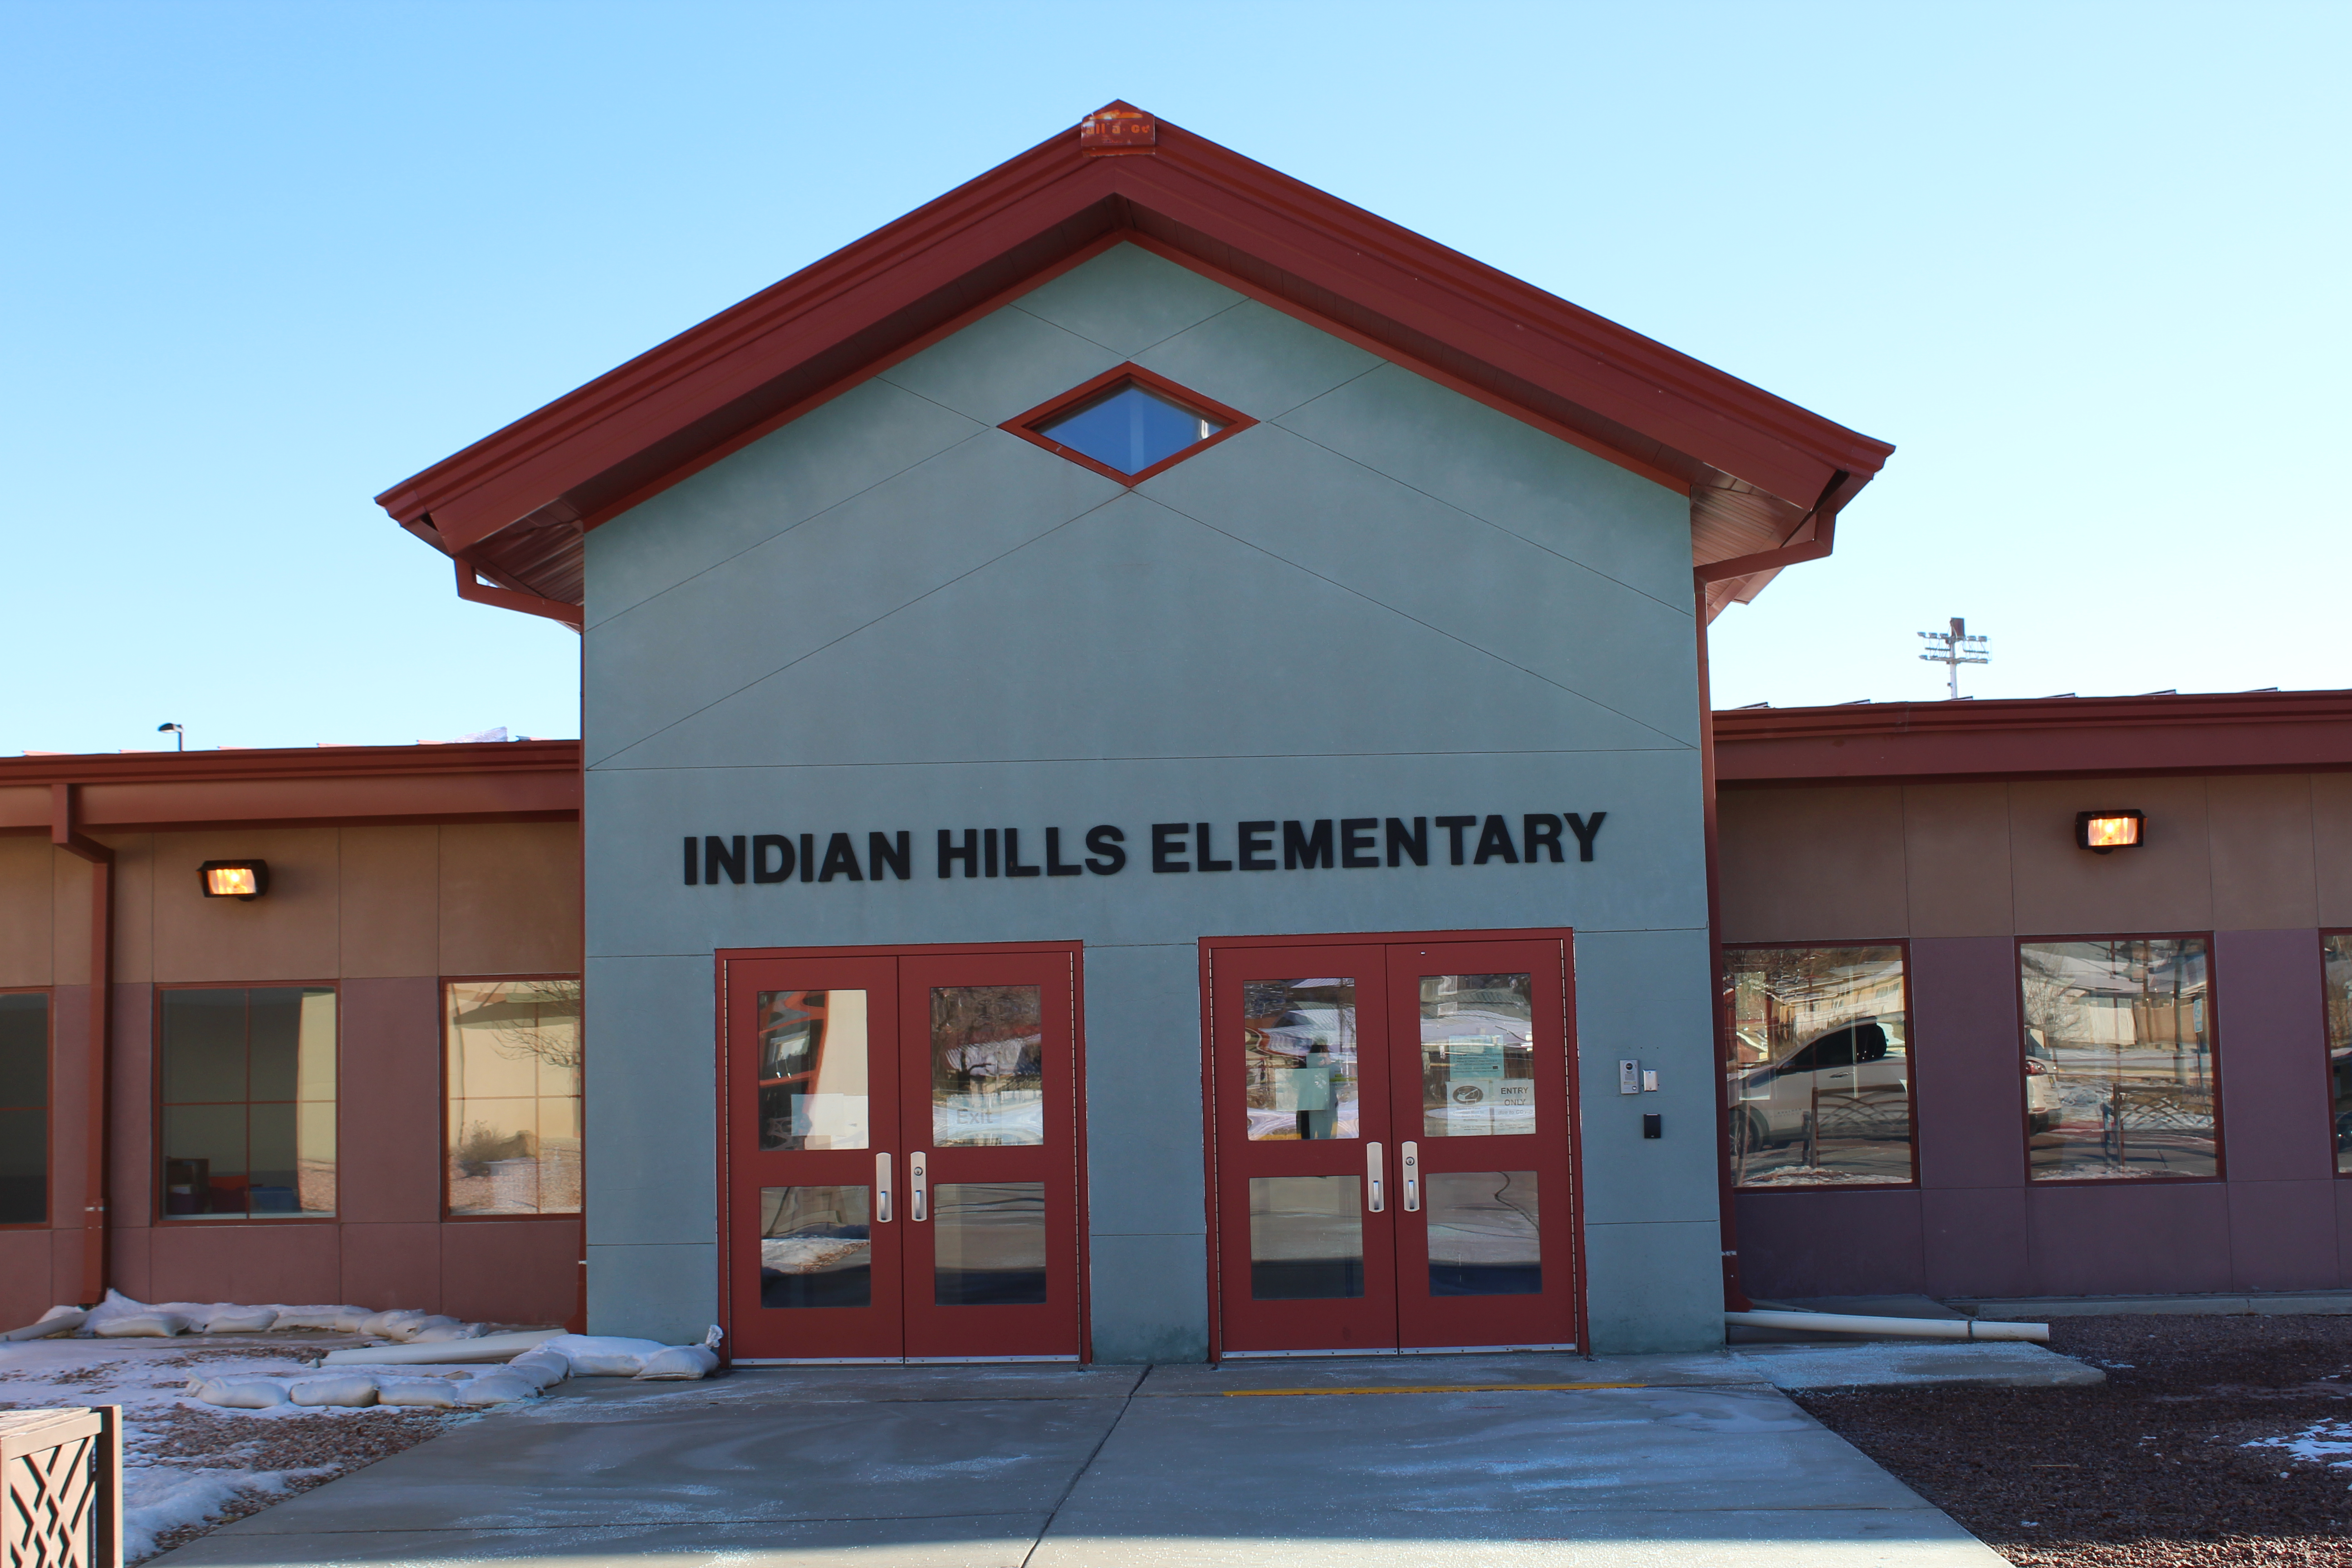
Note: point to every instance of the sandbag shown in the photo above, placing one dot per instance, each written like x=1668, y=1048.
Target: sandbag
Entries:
x=56, y=1320
x=442, y=1331
x=603, y=1356
x=393, y=1324
x=238, y=1392
x=499, y=1387
x=544, y=1369
x=489, y=1347
x=149, y=1325
x=344, y=1319
x=431, y=1393
x=679, y=1363
x=345, y=1388
x=232, y=1319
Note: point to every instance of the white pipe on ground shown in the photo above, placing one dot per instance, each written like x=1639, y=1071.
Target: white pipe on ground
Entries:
x=1910, y=1328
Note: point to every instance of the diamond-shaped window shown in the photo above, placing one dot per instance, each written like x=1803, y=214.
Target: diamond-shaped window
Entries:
x=1128, y=423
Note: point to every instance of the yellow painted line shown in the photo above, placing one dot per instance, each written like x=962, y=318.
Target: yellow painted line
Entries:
x=1435, y=1388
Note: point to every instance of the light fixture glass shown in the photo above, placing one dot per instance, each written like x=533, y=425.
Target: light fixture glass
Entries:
x=234, y=879
x=2104, y=832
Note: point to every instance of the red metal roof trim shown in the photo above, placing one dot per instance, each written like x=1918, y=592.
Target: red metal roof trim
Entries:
x=516, y=503
x=2251, y=731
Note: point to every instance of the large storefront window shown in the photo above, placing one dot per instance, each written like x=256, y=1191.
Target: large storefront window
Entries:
x=1819, y=1077
x=24, y=1107
x=2335, y=953
x=514, y=1097
x=248, y=1102
x=2118, y=1059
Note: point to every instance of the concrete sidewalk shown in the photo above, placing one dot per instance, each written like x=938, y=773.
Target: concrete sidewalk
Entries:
x=1439, y=1461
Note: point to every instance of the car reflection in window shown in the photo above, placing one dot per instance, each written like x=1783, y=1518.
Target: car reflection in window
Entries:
x=1838, y=1086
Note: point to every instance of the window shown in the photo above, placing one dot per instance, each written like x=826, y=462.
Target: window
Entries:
x=514, y=1097
x=2118, y=1059
x=248, y=1102
x=1820, y=1075
x=2335, y=954
x=1128, y=423
x=24, y=1107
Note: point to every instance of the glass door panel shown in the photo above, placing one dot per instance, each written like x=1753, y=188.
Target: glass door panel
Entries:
x=1305, y=1252
x=1484, y=1112
x=993, y=1249
x=814, y=1258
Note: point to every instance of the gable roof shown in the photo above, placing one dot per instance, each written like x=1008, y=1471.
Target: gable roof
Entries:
x=1766, y=477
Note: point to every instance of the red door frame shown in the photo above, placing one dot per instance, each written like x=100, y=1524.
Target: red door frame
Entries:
x=1564, y=935
x=724, y=1174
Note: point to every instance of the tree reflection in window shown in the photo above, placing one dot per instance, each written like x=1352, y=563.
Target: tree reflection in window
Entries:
x=1819, y=1081
x=2118, y=1059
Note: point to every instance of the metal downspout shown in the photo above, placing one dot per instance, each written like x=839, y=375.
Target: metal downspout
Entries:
x=66, y=836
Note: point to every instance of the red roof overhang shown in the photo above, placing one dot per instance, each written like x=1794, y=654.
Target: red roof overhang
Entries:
x=1917, y=742
x=1763, y=474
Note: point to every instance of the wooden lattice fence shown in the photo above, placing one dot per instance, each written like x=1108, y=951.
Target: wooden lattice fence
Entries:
x=63, y=1473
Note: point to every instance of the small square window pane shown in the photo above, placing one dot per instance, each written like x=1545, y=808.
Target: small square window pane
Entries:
x=813, y=1084
x=814, y=1247
x=1485, y=1238
x=1299, y=1054
x=1477, y=1056
x=988, y=1074
x=1307, y=1239
x=1130, y=429
x=987, y=1243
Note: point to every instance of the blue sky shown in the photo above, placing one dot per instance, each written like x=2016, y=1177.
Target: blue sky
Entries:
x=2085, y=264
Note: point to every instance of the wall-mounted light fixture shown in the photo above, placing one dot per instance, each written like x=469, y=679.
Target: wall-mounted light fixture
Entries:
x=246, y=880
x=2105, y=832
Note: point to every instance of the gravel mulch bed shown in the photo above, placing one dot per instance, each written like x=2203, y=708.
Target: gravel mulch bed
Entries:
x=2151, y=1470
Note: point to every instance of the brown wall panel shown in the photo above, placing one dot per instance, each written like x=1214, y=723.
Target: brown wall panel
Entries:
x=24, y=1276
x=2265, y=873
x=2282, y=1236
x=2271, y=1040
x=509, y=898
x=1811, y=864
x=512, y=1271
x=2331, y=831
x=389, y=1120
x=1965, y=1062
x=391, y=908
x=387, y=1265
x=2165, y=884
x=128, y=1262
x=297, y=1262
x=134, y=904
x=1956, y=855
x=2127, y=1239
x=290, y=933
x=132, y=1172
x=1974, y=1238
x=28, y=913
x=64, y=1269
x=70, y=920
x=1830, y=1244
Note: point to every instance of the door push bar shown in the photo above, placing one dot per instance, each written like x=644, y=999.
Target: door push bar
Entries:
x=882, y=1189
x=1409, y=1157
x=919, y=1180
x=1372, y=1169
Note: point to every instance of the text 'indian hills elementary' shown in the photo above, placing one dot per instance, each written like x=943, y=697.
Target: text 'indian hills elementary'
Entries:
x=1352, y=843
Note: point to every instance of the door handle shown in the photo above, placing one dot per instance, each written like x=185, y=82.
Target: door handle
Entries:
x=1409, y=1157
x=882, y=1189
x=919, y=1181
x=1372, y=1172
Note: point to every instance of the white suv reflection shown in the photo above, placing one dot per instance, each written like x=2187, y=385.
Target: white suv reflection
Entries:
x=1847, y=1073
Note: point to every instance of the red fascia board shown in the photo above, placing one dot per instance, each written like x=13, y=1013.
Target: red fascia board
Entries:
x=825, y=325
x=2208, y=734
x=150, y=791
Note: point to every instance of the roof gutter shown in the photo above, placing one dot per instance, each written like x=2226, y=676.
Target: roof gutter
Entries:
x=1818, y=525
x=73, y=841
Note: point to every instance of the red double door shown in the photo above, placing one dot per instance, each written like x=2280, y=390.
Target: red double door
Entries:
x=901, y=1155
x=1393, y=1145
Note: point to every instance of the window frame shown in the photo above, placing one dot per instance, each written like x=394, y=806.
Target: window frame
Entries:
x=2327, y=1052
x=2212, y=1046
x=441, y=1141
x=1025, y=424
x=155, y=1158
x=49, y=1149
x=1910, y=1078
